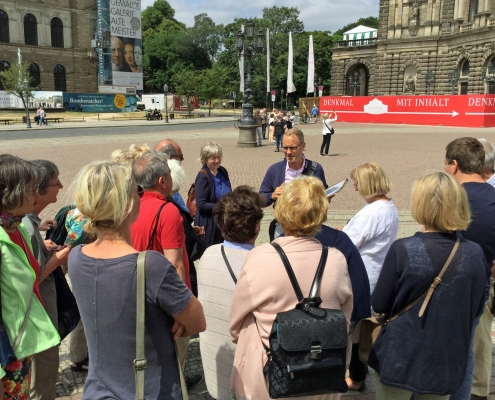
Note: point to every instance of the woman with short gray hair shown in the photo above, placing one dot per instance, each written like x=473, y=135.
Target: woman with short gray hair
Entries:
x=212, y=183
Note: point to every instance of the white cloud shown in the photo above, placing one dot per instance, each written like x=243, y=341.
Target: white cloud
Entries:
x=316, y=14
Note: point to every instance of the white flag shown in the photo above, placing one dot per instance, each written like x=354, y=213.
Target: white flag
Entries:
x=241, y=66
x=290, y=84
x=310, y=88
x=268, y=89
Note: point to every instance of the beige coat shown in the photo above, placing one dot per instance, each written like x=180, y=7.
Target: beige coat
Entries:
x=264, y=289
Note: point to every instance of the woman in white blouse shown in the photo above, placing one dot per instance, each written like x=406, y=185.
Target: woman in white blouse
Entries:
x=327, y=132
x=372, y=230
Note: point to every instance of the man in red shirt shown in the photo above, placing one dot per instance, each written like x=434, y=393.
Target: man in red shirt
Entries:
x=159, y=227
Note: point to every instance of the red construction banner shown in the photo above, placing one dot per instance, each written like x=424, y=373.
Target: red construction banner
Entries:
x=462, y=110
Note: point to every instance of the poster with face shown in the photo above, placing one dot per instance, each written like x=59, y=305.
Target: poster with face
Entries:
x=126, y=44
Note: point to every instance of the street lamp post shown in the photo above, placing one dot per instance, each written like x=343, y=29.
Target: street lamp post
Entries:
x=26, y=102
x=454, y=76
x=250, y=45
x=430, y=80
x=282, y=100
x=165, y=90
x=356, y=81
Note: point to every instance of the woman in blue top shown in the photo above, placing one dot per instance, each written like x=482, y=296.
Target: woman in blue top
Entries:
x=212, y=183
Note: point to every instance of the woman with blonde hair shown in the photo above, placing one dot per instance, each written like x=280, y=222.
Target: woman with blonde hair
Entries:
x=103, y=276
x=425, y=350
x=264, y=288
x=134, y=152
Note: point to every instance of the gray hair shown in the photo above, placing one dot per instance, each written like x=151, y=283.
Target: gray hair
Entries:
x=209, y=150
x=149, y=168
x=295, y=132
x=46, y=172
x=17, y=177
x=489, y=154
x=178, y=174
x=169, y=150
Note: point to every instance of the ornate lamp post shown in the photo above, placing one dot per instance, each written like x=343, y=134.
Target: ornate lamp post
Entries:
x=355, y=81
x=454, y=76
x=317, y=83
x=251, y=45
x=26, y=101
x=430, y=80
x=165, y=90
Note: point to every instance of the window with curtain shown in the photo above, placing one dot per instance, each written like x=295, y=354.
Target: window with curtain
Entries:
x=4, y=27
x=57, y=31
x=4, y=66
x=34, y=72
x=30, y=30
x=60, y=79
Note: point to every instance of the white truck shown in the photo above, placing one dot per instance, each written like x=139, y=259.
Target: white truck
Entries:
x=152, y=101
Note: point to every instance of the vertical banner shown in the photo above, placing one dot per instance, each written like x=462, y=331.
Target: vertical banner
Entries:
x=241, y=66
x=290, y=83
x=267, y=60
x=126, y=43
x=311, y=67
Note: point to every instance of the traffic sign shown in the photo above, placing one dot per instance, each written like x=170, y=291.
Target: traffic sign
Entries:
x=273, y=92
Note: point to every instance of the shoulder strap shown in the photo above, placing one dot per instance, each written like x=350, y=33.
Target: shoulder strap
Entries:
x=153, y=234
x=228, y=265
x=329, y=129
x=140, y=362
x=319, y=273
x=290, y=271
x=309, y=170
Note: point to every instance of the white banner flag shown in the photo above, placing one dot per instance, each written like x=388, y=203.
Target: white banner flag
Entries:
x=267, y=60
x=311, y=67
x=290, y=84
x=241, y=66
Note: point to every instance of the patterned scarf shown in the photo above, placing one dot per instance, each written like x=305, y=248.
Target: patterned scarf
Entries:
x=9, y=221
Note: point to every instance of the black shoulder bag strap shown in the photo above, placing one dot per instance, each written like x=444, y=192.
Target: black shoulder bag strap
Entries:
x=309, y=170
x=228, y=265
x=153, y=234
x=319, y=272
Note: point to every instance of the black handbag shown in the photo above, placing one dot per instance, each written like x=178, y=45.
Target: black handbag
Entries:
x=308, y=344
x=67, y=310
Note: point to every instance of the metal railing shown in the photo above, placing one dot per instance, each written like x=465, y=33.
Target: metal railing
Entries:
x=355, y=43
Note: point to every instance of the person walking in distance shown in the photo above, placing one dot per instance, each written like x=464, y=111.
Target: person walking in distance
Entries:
x=327, y=132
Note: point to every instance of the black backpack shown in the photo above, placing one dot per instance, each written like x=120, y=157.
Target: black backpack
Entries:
x=308, y=344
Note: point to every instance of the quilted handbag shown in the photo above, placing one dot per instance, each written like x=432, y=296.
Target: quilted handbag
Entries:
x=307, y=354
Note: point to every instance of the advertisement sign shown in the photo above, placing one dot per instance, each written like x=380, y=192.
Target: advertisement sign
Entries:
x=463, y=110
x=125, y=43
x=9, y=100
x=103, y=103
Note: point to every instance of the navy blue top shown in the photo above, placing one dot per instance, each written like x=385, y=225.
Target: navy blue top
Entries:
x=357, y=272
x=275, y=176
x=222, y=186
x=428, y=354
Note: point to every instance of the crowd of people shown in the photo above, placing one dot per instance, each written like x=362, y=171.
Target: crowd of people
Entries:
x=435, y=287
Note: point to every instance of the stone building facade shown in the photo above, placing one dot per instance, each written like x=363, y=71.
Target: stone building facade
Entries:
x=55, y=37
x=422, y=47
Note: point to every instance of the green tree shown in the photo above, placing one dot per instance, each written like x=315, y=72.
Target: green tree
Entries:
x=214, y=84
x=13, y=82
x=186, y=83
x=153, y=16
x=206, y=35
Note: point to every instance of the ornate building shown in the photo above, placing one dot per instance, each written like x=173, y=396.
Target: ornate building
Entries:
x=422, y=47
x=54, y=36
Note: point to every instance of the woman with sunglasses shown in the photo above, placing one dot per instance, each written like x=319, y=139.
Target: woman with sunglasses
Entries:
x=103, y=276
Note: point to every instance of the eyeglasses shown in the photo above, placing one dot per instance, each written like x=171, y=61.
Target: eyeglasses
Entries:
x=35, y=190
x=285, y=148
x=58, y=184
x=140, y=191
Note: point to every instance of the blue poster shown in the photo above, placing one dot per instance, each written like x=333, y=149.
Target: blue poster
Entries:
x=103, y=103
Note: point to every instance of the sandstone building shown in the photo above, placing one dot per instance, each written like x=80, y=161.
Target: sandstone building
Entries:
x=422, y=47
x=54, y=36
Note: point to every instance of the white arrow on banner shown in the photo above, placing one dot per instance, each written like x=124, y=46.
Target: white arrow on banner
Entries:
x=453, y=113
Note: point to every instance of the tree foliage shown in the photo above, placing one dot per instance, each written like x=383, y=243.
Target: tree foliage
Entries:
x=186, y=83
x=214, y=84
x=206, y=35
x=13, y=81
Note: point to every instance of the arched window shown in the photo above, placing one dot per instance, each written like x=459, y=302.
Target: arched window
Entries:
x=34, y=72
x=59, y=77
x=4, y=66
x=30, y=30
x=4, y=27
x=57, y=29
x=465, y=68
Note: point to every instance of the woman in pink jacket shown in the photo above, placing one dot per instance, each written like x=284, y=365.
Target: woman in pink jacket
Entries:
x=264, y=288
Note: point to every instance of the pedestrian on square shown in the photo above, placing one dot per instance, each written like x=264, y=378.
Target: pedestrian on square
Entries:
x=259, y=127
x=42, y=115
x=314, y=113
x=271, y=128
x=212, y=183
x=425, y=351
x=28, y=329
x=327, y=132
x=103, y=276
x=278, y=131
x=292, y=118
x=264, y=289
x=238, y=216
x=264, y=118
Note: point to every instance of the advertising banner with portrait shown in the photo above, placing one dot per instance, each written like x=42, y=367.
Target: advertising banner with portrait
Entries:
x=126, y=43
x=102, y=103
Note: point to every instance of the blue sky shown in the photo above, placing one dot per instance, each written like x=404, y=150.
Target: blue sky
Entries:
x=316, y=14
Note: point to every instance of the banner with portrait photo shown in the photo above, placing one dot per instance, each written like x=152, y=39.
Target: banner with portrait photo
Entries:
x=126, y=43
